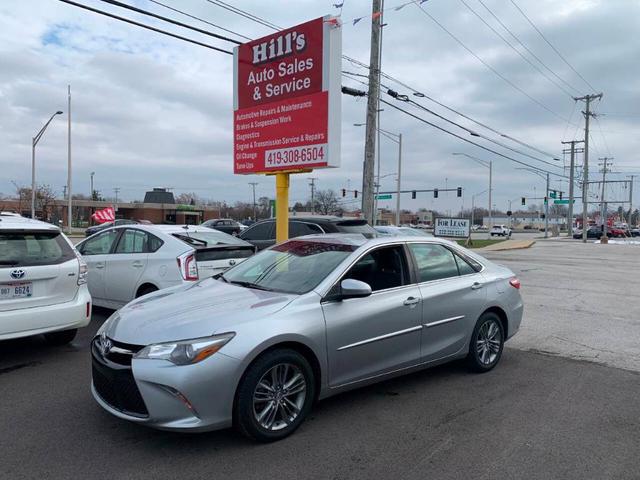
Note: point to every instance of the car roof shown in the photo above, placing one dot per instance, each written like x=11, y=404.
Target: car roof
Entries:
x=10, y=222
x=359, y=240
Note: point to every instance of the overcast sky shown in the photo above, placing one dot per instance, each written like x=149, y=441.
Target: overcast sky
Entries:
x=152, y=111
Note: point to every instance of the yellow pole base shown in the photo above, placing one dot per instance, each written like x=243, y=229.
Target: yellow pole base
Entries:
x=282, y=207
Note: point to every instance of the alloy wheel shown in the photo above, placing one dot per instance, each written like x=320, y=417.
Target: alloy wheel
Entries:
x=279, y=396
x=488, y=342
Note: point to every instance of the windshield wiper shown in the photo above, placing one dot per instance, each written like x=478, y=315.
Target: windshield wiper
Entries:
x=250, y=285
x=219, y=276
x=9, y=262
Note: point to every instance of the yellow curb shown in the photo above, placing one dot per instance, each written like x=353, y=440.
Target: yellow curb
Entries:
x=508, y=245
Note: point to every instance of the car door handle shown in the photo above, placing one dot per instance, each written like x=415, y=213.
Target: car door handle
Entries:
x=411, y=301
x=137, y=264
x=477, y=285
x=99, y=265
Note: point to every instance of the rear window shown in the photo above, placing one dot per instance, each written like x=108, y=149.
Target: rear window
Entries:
x=208, y=239
x=356, y=227
x=25, y=249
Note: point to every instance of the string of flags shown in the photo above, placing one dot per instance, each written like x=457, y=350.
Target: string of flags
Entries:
x=375, y=15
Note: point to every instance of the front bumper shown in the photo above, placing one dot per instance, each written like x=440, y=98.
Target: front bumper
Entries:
x=50, y=318
x=195, y=397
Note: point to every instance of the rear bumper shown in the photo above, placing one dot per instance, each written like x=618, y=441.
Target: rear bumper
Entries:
x=34, y=321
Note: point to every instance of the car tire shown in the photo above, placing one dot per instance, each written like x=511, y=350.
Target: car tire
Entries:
x=255, y=405
x=146, y=290
x=60, y=338
x=486, y=344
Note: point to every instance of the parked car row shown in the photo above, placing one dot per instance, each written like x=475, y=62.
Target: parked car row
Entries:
x=209, y=334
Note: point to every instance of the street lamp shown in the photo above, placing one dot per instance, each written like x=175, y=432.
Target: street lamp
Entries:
x=489, y=165
x=34, y=142
x=546, y=203
x=91, y=192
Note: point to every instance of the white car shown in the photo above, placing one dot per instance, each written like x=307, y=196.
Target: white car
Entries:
x=129, y=261
x=43, y=282
x=500, y=230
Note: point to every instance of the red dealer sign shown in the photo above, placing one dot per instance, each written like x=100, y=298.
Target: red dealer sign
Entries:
x=287, y=100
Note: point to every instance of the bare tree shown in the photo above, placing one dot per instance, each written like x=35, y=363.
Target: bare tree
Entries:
x=188, y=198
x=326, y=202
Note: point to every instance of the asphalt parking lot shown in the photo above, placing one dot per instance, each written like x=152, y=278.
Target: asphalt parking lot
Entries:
x=563, y=403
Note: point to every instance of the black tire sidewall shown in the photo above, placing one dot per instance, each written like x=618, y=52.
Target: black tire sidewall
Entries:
x=244, y=419
x=472, y=358
x=62, y=337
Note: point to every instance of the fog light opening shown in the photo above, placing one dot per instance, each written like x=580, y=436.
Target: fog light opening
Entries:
x=185, y=401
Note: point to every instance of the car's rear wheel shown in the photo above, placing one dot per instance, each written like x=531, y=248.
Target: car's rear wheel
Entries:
x=145, y=290
x=274, y=396
x=487, y=342
x=61, y=338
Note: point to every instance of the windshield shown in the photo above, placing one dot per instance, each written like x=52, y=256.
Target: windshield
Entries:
x=23, y=249
x=208, y=239
x=296, y=266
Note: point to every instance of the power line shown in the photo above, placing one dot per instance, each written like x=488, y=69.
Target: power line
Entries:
x=142, y=25
x=551, y=45
x=516, y=50
x=517, y=39
x=169, y=20
x=199, y=19
x=244, y=13
x=477, y=57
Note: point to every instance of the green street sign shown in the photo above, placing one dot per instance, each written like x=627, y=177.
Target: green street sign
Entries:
x=552, y=194
x=562, y=202
x=384, y=197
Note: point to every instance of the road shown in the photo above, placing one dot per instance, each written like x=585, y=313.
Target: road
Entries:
x=536, y=416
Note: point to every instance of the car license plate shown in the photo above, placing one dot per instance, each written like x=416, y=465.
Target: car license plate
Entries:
x=16, y=290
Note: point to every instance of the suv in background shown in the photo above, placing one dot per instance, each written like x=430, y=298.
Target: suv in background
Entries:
x=500, y=230
x=43, y=282
x=263, y=233
x=224, y=225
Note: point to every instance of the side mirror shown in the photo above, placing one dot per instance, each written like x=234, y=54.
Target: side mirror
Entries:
x=354, y=289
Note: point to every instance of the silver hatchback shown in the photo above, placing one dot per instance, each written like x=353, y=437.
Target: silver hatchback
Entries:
x=309, y=318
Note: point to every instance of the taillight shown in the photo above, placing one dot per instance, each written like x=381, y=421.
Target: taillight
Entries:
x=83, y=271
x=188, y=266
x=515, y=283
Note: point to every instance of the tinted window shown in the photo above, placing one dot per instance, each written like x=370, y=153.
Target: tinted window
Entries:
x=153, y=243
x=261, y=231
x=27, y=249
x=132, y=241
x=100, y=244
x=298, y=229
x=207, y=239
x=295, y=266
x=463, y=267
x=381, y=269
x=433, y=261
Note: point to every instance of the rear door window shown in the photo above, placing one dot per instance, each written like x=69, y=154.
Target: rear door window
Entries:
x=298, y=229
x=23, y=249
x=262, y=231
x=434, y=262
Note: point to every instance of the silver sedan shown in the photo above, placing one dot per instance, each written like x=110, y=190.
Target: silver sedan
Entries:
x=304, y=320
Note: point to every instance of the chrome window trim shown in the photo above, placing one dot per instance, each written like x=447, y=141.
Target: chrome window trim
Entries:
x=380, y=337
x=443, y=321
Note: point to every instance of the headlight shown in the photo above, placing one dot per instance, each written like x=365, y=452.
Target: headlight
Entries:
x=186, y=352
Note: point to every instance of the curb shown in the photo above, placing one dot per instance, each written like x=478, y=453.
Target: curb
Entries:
x=520, y=245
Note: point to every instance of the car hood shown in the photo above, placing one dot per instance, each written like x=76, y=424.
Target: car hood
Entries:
x=192, y=311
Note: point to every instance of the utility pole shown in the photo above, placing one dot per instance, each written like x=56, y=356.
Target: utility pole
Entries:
x=92, y=174
x=372, y=114
x=116, y=190
x=630, y=199
x=573, y=152
x=253, y=186
x=64, y=191
x=398, y=184
x=312, y=184
x=605, y=163
x=69, y=211
x=546, y=210
x=585, y=176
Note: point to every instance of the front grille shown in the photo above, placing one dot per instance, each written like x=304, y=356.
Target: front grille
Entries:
x=115, y=384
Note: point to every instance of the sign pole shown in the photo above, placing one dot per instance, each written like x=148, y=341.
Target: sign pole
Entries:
x=282, y=207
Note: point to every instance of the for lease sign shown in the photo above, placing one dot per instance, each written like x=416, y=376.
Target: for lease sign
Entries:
x=287, y=99
x=451, y=227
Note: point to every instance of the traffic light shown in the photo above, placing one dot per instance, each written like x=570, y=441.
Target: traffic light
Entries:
x=543, y=216
x=509, y=213
x=344, y=192
x=413, y=194
x=355, y=194
x=435, y=193
x=459, y=191
x=524, y=201
x=560, y=195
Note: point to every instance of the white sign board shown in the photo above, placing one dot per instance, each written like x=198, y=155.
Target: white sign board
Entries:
x=452, y=227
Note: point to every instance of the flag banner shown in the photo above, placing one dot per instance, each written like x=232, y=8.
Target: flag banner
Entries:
x=105, y=215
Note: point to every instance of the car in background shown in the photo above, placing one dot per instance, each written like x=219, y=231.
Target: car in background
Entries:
x=256, y=346
x=9, y=214
x=103, y=226
x=592, y=232
x=43, y=282
x=501, y=231
x=617, y=232
x=130, y=261
x=225, y=225
x=635, y=232
x=263, y=234
x=392, y=231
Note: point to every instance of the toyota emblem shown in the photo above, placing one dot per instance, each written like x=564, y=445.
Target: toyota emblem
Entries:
x=105, y=344
x=18, y=273
x=232, y=262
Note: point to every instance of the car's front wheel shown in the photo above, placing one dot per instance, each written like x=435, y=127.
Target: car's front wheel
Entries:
x=487, y=342
x=61, y=338
x=275, y=395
